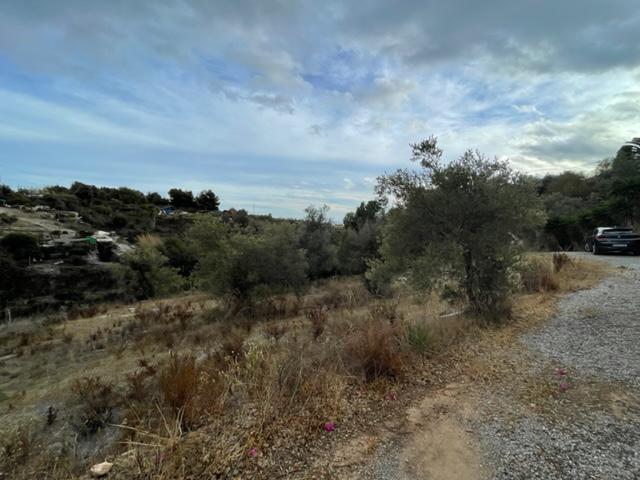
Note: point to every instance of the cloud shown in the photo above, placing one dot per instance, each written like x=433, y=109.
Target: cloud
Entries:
x=222, y=89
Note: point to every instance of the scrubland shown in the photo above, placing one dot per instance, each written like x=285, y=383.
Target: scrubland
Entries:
x=179, y=388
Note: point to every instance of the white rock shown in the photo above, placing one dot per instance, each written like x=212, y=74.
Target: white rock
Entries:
x=101, y=469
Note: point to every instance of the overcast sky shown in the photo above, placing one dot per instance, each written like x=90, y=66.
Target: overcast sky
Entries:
x=276, y=105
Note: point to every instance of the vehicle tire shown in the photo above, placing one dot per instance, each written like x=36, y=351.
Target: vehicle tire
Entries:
x=595, y=250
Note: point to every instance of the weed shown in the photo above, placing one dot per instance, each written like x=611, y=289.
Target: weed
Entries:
x=317, y=315
x=98, y=400
x=374, y=351
x=179, y=383
x=536, y=275
x=386, y=311
x=419, y=336
x=275, y=330
x=560, y=260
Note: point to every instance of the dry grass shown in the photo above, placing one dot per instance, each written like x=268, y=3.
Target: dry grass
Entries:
x=197, y=392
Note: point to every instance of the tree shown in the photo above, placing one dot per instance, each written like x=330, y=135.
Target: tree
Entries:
x=458, y=221
x=208, y=201
x=360, y=239
x=149, y=274
x=366, y=212
x=181, y=198
x=247, y=266
x=156, y=199
x=319, y=242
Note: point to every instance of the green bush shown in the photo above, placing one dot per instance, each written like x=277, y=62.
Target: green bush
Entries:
x=247, y=265
x=148, y=273
x=457, y=222
x=20, y=246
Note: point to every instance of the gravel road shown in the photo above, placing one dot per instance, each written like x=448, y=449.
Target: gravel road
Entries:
x=590, y=431
x=595, y=432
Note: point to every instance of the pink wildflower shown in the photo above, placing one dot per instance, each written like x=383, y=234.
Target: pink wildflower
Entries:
x=561, y=371
x=563, y=387
x=329, y=426
x=253, y=452
x=392, y=396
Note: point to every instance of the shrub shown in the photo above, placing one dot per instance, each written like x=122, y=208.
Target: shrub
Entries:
x=457, y=221
x=536, y=275
x=419, y=336
x=373, y=350
x=248, y=266
x=317, y=315
x=179, y=383
x=20, y=246
x=560, y=260
x=149, y=273
x=385, y=311
x=98, y=400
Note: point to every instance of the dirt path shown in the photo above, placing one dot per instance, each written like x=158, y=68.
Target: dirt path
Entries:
x=567, y=407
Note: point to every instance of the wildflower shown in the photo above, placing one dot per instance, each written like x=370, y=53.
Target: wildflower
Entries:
x=329, y=426
x=563, y=387
x=253, y=452
x=561, y=371
x=392, y=396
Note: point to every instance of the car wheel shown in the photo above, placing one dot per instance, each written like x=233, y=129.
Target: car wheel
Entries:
x=595, y=249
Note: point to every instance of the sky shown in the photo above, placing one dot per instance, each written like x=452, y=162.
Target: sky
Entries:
x=276, y=105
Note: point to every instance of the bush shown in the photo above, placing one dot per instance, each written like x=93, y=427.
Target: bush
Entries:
x=419, y=337
x=248, y=266
x=457, y=221
x=179, y=383
x=20, y=246
x=318, y=318
x=536, y=275
x=373, y=350
x=98, y=401
x=560, y=260
x=149, y=273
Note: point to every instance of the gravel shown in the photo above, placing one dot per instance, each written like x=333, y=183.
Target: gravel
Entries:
x=593, y=447
x=596, y=334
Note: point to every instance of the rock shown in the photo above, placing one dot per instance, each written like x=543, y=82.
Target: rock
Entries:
x=101, y=469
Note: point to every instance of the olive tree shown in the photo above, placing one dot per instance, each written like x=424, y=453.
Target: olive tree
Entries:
x=457, y=221
x=245, y=266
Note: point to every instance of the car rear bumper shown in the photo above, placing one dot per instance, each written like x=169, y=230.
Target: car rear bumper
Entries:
x=618, y=247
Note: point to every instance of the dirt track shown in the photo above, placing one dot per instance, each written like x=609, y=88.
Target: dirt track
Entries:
x=569, y=407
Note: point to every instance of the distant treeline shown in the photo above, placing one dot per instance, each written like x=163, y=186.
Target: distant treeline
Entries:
x=575, y=204
x=122, y=209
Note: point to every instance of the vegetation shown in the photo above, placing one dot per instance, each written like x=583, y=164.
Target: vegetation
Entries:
x=457, y=222
x=270, y=332
x=576, y=204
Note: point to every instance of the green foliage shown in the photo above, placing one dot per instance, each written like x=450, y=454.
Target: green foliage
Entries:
x=156, y=199
x=182, y=198
x=419, y=336
x=576, y=204
x=247, y=265
x=21, y=246
x=149, y=273
x=208, y=201
x=368, y=212
x=357, y=247
x=319, y=242
x=458, y=221
x=180, y=255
